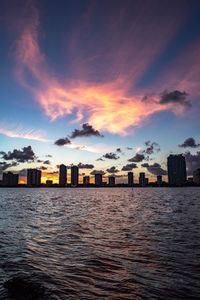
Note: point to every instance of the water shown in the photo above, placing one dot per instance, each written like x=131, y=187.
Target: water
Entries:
x=102, y=243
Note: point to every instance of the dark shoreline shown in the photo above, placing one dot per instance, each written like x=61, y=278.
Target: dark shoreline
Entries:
x=116, y=186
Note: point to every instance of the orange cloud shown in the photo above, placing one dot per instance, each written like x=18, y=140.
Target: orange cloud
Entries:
x=108, y=106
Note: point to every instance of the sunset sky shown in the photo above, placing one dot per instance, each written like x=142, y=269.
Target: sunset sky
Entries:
x=110, y=85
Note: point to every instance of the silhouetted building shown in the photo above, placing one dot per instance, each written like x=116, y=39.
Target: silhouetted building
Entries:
x=142, y=179
x=176, y=170
x=196, y=176
x=49, y=182
x=33, y=177
x=86, y=180
x=98, y=179
x=10, y=179
x=74, y=176
x=190, y=180
x=62, y=175
x=159, y=180
x=130, y=178
x=146, y=181
x=111, y=180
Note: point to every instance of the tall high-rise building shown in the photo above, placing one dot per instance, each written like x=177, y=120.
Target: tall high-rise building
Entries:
x=49, y=182
x=142, y=179
x=196, y=176
x=176, y=167
x=98, y=179
x=33, y=177
x=159, y=180
x=86, y=180
x=10, y=179
x=74, y=176
x=111, y=180
x=130, y=178
x=62, y=175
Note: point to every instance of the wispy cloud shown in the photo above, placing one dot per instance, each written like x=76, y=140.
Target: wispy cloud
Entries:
x=14, y=130
x=98, y=148
x=93, y=101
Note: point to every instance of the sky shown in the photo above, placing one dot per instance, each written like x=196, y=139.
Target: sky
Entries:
x=109, y=85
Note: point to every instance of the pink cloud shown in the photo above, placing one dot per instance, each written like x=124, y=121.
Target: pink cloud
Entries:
x=107, y=105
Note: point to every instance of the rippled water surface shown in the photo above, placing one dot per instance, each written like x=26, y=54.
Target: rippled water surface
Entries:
x=102, y=243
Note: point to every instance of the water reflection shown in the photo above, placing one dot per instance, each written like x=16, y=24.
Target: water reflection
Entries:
x=102, y=243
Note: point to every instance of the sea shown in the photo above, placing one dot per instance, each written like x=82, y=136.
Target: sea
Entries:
x=100, y=243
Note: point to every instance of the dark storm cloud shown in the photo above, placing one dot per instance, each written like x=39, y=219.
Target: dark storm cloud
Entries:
x=192, y=161
x=154, y=169
x=97, y=172
x=190, y=142
x=129, y=167
x=120, y=176
x=24, y=155
x=145, y=165
x=100, y=159
x=52, y=173
x=86, y=131
x=39, y=161
x=151, y=147
x=111, y=155
x=85, y=166
x=112, y=170
x=43, y=168
x=137, y=158
x=4, y=165
x=176, y=97
x=46, y=162
x=62, y=142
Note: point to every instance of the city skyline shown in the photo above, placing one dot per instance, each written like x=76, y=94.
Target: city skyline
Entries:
x=139, y=163
x=176, y=173
x=112, y=88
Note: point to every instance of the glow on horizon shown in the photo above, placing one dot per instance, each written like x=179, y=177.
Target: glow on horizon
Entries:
x=123, y=179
